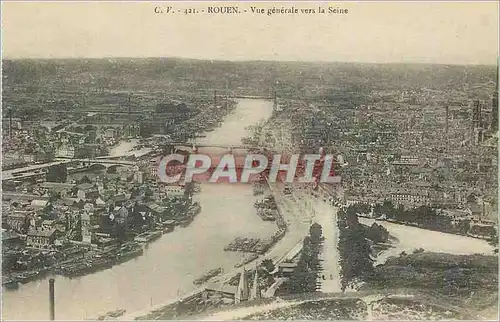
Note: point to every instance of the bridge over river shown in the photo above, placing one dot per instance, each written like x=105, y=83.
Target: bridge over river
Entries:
x=169, y=265
x=41, y=169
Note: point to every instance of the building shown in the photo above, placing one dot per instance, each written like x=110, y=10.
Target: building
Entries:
x=174, y=191
x=41, y=238
x=39, y=204
x=87, y=191
x=10, y=238
x=478, y=130
x=120, y=215
x=110, y=133
x=286, y=269
x=223, y=291
x=65, y=150
x=139, y=177
x=483, y=230
x=406, y=160
x=18, y=220
x=86, y=228
x=494, y=109
x=410, y=198
x=48, y=224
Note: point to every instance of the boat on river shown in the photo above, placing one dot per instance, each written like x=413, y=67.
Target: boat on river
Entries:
x=112, y=315
x=207, y=276
x=148, y=236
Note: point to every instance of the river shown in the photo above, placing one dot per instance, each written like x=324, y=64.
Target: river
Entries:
x=170, y=264
x=411, y=238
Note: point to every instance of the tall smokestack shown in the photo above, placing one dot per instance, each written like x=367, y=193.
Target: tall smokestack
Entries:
x=52, y=299
x=215, y=98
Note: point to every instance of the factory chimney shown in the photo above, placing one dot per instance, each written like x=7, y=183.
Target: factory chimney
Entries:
x=52, y=299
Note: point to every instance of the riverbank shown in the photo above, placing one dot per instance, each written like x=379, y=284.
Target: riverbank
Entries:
x=88, y=259
x=275, y=253
x=409, y=238
x=169, y=265
x=82, y=262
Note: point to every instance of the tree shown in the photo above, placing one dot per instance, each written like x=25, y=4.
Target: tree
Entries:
x=145, y=130
x=315, y=232
x=89, y=128
x=494, y=239
x=57, y=173
x=54, y=195
x=111, y=169
x=84, y=179
x=463, y=226
x=351, y=217
x=268, y=265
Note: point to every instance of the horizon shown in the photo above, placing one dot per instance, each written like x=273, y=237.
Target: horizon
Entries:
x=247, y=61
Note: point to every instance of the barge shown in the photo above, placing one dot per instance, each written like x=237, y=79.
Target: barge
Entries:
x=207, y=276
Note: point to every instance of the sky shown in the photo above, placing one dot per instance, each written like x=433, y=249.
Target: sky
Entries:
x=380, y=32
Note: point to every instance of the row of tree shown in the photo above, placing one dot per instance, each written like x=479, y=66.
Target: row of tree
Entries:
x=424, y=217
x=354, y=248
x=305, y=275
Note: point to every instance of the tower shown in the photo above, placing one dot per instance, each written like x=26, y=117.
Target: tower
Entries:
x=242, y=290
x=215, y=98
x=255, y=294
x=494, y=108
x=476, y=131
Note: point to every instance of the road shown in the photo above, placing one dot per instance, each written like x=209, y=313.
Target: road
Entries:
x=326, y=216
x=297, y=228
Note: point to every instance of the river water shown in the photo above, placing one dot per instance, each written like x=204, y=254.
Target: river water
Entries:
x=411, y=238
x=170, y=264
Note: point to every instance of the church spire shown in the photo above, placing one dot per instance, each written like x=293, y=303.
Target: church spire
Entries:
x=255, y=294
x=242, y=290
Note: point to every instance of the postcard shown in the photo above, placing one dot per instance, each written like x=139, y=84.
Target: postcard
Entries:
x=184, y=160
